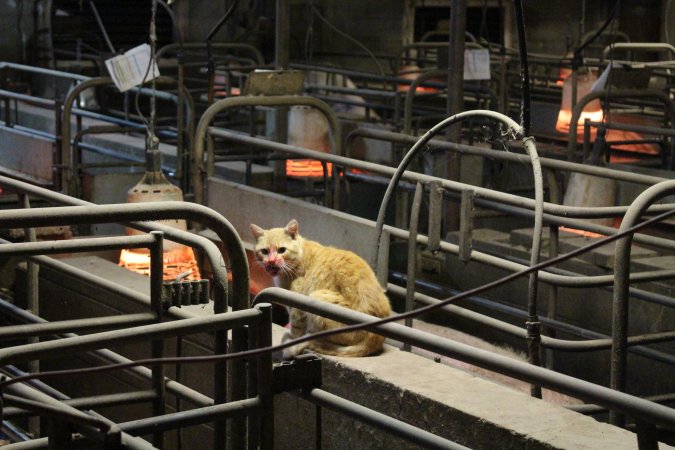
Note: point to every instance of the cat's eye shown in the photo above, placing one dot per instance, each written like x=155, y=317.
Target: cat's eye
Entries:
x=281, y=250
x=264, y=251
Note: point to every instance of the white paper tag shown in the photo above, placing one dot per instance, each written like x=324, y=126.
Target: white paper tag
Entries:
x=476, y=64
x=128, y=70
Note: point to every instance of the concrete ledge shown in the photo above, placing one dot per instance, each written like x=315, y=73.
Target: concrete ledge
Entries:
x=451, y=403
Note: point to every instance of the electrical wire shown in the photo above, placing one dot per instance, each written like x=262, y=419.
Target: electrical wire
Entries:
x=348, y=37
x=356, y=327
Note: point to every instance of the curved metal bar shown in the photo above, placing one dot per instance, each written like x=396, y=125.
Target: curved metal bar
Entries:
x=513, y=128
x=205, y=168
x=410, y=95
x=578, y=108
x=621, y=287
x=647, y=46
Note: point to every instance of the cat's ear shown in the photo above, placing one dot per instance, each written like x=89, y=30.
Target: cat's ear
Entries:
x=257, y=231
x=292, y=228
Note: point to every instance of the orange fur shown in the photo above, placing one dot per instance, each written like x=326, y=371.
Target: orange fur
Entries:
x=326, y=273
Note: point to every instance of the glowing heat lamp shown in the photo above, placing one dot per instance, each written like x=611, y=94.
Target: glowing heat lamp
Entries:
x=308, y=128
x=179, y=261
x=592, y=110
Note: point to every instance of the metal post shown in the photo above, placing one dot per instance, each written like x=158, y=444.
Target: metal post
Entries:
x=449, y=166
x=412, y=256
x=266, y=416
x=156, y=281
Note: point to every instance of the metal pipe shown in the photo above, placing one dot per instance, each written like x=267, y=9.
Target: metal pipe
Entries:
x=412, y=255
x=587, y=345
x=548, y=163
x=72, y=345
x=9, y=332
x=97, y=401
x=74, y=245
x=390, y=425
x=574, y=387
x=621, y=295
x=265, y=378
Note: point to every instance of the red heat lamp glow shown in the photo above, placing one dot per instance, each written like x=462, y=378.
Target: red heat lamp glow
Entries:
x=178, y=260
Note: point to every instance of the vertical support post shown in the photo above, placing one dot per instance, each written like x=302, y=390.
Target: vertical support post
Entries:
x=435, y=214
x=264, y=369
x=412, y=256
x=60, y=435
x=647, y=436
x=281, y=61
x=32, y=302
x=156, y=303
x=552, y=310
x=466, y=225
x=382, y=262
x=449, y=166
x=56, y=155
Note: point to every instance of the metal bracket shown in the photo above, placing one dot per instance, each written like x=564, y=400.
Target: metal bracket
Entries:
x=304, y=373
x=177, y=293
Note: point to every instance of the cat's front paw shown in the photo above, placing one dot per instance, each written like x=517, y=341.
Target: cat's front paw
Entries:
x=294, y=351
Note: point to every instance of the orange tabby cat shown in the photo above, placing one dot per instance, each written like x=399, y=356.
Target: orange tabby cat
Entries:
x=326, y=273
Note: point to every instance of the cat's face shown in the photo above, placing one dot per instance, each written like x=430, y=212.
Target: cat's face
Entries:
x=277, y=250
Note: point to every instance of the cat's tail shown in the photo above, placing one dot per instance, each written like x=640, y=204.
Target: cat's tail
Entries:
x=370, y=345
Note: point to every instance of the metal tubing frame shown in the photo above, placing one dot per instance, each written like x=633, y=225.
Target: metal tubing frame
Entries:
x=177, y=210
x=533, y=326
x=587, y=345
x=67, y=154
x=482, y=194
x=204, y=168
x=621, y=293
x=174, y=387
x=628, y=404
